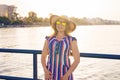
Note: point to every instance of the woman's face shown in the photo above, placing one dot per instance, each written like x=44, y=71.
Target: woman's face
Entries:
x=61, y=25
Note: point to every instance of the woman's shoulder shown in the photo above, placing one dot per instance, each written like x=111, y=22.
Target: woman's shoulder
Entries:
x=72, y=38
x=48, y=37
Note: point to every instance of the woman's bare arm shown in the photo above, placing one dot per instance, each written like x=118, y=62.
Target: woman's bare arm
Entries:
x=45, y=52
x=76, y=56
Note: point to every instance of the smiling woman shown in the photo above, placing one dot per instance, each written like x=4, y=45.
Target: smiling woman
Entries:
x=58, y=48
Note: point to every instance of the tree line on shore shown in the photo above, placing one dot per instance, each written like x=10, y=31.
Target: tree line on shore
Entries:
x=32, y=19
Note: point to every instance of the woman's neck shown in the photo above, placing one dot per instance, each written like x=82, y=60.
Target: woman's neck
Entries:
x=60, y=35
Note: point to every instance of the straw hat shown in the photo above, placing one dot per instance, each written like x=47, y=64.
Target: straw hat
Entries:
x=54, y=18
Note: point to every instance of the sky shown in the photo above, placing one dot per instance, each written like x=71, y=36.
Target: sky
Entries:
x=105, y=9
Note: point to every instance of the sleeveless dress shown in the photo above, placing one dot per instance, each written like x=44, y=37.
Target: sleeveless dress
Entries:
x=58, y=59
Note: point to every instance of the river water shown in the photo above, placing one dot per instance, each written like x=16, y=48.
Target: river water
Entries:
x=95, y=39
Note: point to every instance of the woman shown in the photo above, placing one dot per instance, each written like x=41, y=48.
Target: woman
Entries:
x=58, y=48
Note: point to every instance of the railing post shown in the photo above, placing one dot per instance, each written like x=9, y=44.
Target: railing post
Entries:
x=35, y=66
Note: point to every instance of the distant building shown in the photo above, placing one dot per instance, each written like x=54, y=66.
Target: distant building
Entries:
x=7, y=11
x=32, y=14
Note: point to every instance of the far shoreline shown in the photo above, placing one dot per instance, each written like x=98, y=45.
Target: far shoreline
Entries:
x=26, y=26
x=22, y=26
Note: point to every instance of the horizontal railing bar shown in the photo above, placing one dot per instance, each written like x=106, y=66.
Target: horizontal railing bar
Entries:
x=92, y=55
x=20, y=51
x=98, y=55
x=14, y=78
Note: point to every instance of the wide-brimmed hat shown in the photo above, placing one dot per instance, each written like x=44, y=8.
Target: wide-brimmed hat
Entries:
x=54, y=18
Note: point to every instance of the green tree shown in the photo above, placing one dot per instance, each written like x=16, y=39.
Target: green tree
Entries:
x=17, y=22
x=5, y=20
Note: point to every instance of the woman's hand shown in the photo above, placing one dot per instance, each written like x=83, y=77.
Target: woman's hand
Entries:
x=65, y=77
x=48, y=75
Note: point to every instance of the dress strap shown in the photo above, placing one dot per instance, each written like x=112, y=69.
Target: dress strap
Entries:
x=47, y=37
x=73, y=38
x=70, y=38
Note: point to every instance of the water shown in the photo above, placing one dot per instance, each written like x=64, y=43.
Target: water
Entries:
x=97, y=39
x=100, y=39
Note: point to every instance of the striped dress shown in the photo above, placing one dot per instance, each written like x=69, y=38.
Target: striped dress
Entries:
x=58, y=60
